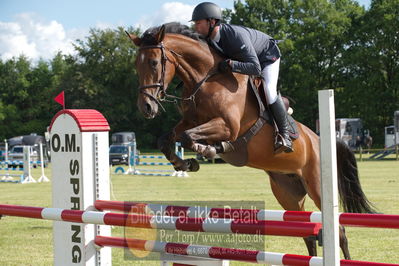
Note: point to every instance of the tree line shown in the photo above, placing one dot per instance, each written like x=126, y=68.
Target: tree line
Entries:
x=334, y=44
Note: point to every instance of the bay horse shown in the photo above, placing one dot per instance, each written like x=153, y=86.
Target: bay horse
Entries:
x=365, y=142
x=218, y=108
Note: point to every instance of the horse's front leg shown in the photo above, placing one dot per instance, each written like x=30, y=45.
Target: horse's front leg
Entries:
x=166, y=144
x=215, y=131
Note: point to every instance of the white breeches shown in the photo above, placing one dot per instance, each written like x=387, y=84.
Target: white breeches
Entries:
x=270, y=75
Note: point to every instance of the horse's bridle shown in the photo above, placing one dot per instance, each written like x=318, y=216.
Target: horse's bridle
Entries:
x=160, y=85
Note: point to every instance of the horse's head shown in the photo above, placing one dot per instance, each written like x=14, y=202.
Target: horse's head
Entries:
x=155, y=67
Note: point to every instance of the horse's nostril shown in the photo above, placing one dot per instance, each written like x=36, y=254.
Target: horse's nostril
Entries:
x=148, y=108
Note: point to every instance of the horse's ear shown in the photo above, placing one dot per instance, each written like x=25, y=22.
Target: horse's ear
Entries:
x=135, y=39
x=161, y=34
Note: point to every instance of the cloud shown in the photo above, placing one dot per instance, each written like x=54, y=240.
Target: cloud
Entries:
x=33, y=37
x=170, y=11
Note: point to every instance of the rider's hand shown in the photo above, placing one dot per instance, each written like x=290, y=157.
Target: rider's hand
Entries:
x=224, y=66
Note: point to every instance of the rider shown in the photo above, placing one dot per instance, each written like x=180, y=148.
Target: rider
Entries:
x=250, y=52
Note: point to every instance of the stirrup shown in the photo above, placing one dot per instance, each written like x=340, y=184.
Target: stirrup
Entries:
x=281, y=145
x=282, y=148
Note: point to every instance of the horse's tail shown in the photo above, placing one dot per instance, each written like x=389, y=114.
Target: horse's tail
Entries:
x=351, y=194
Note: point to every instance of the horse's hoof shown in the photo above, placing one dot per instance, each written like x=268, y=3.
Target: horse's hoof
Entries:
x=193, y=165
x=181, y=166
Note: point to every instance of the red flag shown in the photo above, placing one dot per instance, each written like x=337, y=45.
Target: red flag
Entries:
x=60, y=99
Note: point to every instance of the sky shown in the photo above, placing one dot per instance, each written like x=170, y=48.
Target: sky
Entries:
x=41, y=28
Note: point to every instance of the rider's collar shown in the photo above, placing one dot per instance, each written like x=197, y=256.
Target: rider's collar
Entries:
x=217, y=36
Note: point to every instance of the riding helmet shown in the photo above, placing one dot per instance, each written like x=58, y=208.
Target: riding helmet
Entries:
x=206, y=10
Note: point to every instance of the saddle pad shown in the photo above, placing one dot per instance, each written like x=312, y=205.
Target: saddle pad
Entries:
x=292, y=128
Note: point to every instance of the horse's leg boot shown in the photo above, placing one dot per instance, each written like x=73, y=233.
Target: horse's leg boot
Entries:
x=283, y=142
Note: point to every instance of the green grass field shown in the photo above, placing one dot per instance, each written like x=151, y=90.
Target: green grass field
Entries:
x=29, y=242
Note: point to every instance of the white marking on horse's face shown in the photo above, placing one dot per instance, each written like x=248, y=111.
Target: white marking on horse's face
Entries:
x=142, y=58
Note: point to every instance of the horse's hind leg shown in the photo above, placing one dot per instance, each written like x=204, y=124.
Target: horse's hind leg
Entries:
x=343, y=243
x=290, y=193
x=313, y=188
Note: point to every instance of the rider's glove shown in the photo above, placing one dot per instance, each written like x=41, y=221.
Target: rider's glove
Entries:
x=224, y=66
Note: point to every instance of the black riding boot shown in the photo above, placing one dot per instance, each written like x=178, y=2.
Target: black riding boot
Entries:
x=283, y=142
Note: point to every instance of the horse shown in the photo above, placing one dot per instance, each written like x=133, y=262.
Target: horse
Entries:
x=365, y=141
x=219, y=108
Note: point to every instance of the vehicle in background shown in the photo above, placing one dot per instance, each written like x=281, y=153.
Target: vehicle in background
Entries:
x=15, y=141
x=123, y=138
x=118, y=154
x=16, y=154
x=351, y=131
x=15, y=148
x=391, y=137
x=119, y=149
x=29, y=140
x=391, y=133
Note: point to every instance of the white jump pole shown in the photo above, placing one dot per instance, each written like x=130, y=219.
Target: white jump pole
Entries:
x=132, y=154
x=179, y=150
x=27, y=171
x=43, y=177
x=329, y=183
x=79, y=138
x=132, y=163
x=6, y=152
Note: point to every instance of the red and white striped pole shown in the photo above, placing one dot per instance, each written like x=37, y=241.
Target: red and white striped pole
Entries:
x=215, y=225
x=235, y=254
x=209, y=252
x=348, y=219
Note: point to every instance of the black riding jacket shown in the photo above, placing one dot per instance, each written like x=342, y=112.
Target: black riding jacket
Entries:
x=249, y=50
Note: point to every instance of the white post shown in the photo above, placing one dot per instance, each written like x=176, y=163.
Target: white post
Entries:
x=80, y=170
x=27, y=175
x=329, y=184
x=129, y=158
x=132, y=161
x=132, y=153
x=43, y=177
x=6, y=152
x=179, y=150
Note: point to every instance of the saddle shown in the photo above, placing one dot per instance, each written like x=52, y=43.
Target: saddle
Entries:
x=236, y=152
x=257, y=86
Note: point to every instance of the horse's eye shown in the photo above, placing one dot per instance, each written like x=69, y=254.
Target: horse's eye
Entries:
x=153, y=63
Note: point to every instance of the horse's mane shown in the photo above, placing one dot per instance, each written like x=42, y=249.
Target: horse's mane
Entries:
x=148, y=37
